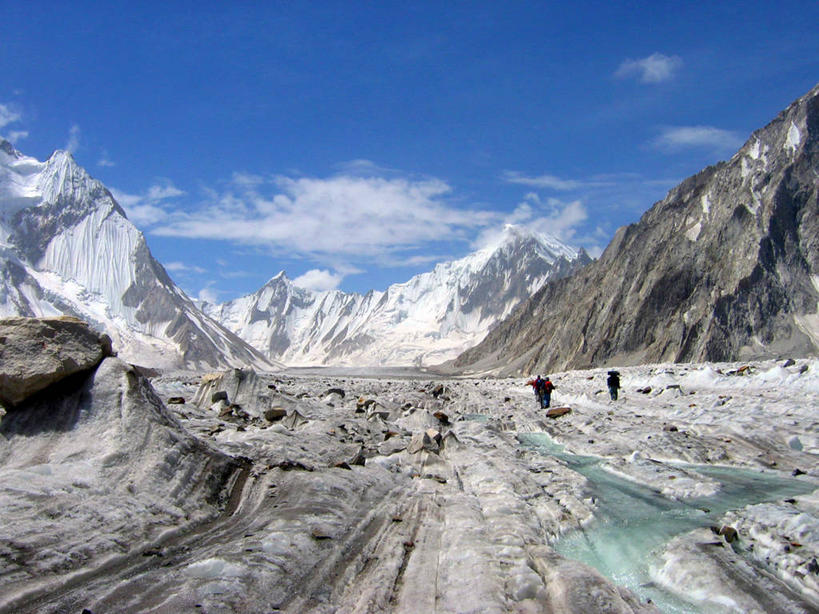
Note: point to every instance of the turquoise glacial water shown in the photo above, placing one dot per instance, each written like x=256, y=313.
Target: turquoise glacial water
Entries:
x=634, y=522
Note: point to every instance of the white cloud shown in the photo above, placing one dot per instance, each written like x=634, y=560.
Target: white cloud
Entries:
x=162, y=192
x=234, y=274
x=208, y=294
x=362, y=167
x=145, y=215
x=341, y=217
x=125, y=199
x=560, y=219
x=73, y=142
x=593, y=200
x=15, y=136
x=145, y=210
x=318, y=280
x=541, y=181
x=247, y=179
x=676, y=138
x=422, y=259
x=8, y=116
x=554, y=217
x=105, y=160
x=181, y=267
x=656, y=68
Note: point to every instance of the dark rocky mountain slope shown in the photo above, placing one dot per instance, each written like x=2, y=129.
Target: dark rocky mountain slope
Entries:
x=726, y=267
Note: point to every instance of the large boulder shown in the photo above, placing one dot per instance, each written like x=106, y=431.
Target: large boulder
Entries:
x=38, y=352
x=239, y=387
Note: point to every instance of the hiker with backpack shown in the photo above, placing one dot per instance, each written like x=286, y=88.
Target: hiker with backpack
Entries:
x=537, y=388
x=543, y=390
x=546, y=396
x=613, y=383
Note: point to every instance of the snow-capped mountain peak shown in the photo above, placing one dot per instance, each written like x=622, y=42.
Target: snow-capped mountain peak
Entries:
x=19, y=177
x=66, y=247
x=512, y=235
x=426, y=319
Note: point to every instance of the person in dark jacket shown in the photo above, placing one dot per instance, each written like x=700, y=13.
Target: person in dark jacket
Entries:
x=546, y=397
x=614, y=384
x=537, y=386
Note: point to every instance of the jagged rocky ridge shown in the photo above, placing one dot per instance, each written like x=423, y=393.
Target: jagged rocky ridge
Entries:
x=66, y=247
x=725, y=267
x=429, y=319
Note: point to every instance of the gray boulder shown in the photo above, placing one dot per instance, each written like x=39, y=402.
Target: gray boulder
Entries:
x=241, y=387
x=38, y=352
x=429, y=440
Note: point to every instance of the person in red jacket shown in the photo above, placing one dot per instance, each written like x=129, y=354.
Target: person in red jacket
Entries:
x=543, y=390
x=546, y=397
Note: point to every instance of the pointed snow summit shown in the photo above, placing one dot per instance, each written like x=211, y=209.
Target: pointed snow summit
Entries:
x=66, y=247
x=726, y=267
x=426, y=320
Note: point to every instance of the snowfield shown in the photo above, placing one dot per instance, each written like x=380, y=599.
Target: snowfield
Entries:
x=360, y=491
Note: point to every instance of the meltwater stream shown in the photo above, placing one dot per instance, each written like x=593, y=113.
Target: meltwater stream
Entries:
x=633, y=522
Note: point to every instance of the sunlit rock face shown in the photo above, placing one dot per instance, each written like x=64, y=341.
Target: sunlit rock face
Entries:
x=725, y=267
x=66, y=248
x=426, y=320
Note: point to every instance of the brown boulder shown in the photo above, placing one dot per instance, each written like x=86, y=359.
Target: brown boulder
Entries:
x=442, y=417
x=274, y=413
x=556, y=412
x=38, y=352
x=729, y=533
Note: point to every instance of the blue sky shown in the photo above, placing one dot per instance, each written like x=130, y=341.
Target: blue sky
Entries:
x=355, y=144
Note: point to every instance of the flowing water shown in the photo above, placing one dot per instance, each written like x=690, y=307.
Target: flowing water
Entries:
x=633, y=522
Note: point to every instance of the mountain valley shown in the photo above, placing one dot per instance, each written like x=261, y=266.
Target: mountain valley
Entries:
x=299, y=451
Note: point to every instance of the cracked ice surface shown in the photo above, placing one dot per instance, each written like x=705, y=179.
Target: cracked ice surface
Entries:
x=469, y=527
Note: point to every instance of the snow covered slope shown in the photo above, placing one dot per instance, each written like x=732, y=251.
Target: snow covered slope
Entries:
x=426, y=320
x=726, y=267
x=66, y=247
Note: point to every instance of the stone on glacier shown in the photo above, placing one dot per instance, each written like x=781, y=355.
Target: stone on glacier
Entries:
x=38, y=352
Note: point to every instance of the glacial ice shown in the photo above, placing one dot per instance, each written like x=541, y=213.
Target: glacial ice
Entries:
x=474, y=527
